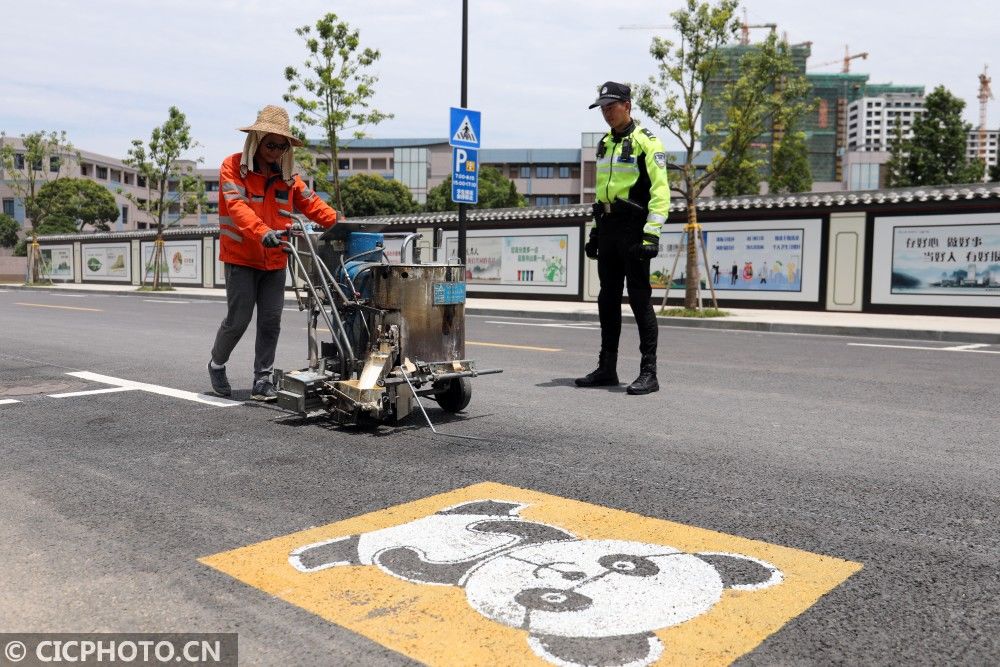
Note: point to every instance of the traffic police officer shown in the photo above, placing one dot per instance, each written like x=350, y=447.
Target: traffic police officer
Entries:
x=633, y=200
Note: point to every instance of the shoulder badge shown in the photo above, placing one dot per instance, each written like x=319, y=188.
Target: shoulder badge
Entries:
x=660, y=159
x=648, y=133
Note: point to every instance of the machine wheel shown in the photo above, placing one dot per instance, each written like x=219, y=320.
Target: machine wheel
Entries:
x=455, y=396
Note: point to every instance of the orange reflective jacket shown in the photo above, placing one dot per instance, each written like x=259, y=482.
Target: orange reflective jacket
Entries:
x=248, y=209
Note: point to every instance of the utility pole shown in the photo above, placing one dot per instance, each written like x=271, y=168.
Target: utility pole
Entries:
x=465, y=105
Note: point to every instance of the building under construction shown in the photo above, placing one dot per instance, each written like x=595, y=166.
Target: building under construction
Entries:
x=826, y=126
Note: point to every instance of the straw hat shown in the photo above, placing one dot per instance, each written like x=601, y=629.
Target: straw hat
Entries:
x=273, y=120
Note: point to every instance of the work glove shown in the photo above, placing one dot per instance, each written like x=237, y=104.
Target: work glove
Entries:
x=590, y=249
x=648, y=248
x=271, y=239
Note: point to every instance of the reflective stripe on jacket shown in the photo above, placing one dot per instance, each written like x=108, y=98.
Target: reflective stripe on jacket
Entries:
x=247, y=212
x=640, y=177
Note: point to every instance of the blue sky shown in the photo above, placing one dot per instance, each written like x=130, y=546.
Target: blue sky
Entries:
x=107, y=70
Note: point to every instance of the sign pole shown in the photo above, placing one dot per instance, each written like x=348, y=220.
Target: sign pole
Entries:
x=465, y=104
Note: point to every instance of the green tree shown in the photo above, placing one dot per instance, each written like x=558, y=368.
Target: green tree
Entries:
x=8, y=231
x=334, y=93
x=371, y=194
x=43, y=157
x=69, y=204
x=173, y=190
x=937, y=150
x=495, y=191
x=739, y=176
x=674, y=99
x=790, y=170
x=895, y=169
x=995, y=173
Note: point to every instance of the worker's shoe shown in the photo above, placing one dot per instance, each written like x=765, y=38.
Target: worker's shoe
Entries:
x=220, y=383
x=605, y=375
x=263, y=390
x=646, y=383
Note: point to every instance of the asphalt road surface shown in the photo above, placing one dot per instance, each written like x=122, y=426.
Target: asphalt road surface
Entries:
x=865, y=472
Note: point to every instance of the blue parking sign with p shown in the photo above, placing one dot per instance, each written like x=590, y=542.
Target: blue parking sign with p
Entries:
x=464, y=175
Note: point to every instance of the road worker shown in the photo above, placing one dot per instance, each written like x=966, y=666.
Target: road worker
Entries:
x=255, y=185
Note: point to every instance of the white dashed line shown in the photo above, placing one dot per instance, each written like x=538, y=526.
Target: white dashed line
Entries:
x=583, y=326
x=8, y=401
x=956, y=348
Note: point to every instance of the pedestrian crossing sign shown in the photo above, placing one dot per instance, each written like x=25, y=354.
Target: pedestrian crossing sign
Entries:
x=464, y=129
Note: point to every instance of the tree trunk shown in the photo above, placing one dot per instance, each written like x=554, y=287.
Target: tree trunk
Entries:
x=35, y=268
x=156, y=263
x=692, y=279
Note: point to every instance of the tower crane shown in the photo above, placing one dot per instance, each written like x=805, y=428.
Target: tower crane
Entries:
x=845, y=62
x=746, y=25
x=985, y=95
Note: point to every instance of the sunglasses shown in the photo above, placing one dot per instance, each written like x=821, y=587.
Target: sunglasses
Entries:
x=271, y=146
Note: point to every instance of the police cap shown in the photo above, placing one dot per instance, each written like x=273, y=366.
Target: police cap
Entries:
x=612, y=92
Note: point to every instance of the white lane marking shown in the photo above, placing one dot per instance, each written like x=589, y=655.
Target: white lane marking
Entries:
x=156, y=389
x=583, y=326
x=48, y=305
x=958, y=348
x=166, y=301
x=516, y=347
x=8, y=401
x=109, y=390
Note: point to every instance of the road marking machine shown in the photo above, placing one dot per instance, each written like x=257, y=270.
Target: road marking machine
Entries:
x=397, y=330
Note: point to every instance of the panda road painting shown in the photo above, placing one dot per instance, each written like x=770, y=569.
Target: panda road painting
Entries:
x=496, y=575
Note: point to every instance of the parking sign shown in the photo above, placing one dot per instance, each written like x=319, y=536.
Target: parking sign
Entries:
x=464, y=176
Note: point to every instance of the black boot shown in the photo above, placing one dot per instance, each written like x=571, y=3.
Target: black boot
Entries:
x=646, y=382
x=606, y=374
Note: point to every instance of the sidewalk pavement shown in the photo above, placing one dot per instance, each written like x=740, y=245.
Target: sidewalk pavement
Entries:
x=872, y=325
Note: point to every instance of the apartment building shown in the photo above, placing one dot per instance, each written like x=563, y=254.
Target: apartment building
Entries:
x=871, y=129
x=544, y=176
x=110, y=172
x=984, y=147
x=872, y=120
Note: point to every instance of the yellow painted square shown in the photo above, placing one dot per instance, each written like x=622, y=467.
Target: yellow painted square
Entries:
x=437, y=625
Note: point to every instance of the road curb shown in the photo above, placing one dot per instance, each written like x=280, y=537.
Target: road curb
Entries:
x=122, y=292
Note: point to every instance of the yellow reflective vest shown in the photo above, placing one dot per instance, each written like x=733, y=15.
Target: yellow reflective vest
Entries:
x=634, y=167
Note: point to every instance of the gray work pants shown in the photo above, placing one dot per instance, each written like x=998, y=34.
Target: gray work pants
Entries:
x=247, y=288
